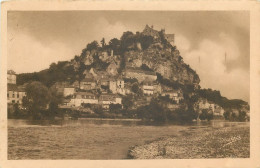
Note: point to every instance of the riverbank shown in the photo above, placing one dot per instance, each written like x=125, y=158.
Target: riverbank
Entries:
x=227, y=142
x=106, y=139
x=81, y=139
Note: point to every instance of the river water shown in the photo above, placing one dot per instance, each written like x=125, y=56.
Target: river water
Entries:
x=88, y=138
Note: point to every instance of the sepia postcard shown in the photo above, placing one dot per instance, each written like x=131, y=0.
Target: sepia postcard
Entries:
x=130, y=84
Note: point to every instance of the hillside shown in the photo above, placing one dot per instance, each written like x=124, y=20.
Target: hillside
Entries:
x=149, y=50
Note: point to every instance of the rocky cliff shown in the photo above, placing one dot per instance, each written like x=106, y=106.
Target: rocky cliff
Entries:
x=152, y=48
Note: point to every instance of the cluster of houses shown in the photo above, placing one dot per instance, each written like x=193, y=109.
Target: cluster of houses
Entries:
x=15, y=93
x=103, y=89
x=98, y=88
x=216, y=109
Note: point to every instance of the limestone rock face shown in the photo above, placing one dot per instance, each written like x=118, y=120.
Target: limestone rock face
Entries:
x=167, y=62
x=88, y=59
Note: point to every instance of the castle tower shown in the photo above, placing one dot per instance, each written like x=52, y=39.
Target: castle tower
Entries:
x=11, y=77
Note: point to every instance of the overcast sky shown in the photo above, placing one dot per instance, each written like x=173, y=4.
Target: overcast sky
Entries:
x=36, y=39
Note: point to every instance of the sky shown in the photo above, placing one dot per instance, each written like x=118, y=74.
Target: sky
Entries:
x=37, y=39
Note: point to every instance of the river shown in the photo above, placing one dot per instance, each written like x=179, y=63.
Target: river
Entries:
x=88, y=138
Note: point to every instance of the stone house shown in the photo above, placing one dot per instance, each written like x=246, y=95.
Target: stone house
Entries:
x=104, y=81
x=175, y=95
x=117, y=86
x=205, y=104
x=83, y=97
x=148, y=87
x=106, y=99
x=68, y=90
x=15, y=94
x=88, y=84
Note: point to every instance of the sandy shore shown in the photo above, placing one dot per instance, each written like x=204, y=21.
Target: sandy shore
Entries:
x=228, y=142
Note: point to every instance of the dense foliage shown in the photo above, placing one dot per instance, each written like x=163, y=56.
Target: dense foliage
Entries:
x=39, y=103
x=215, y=96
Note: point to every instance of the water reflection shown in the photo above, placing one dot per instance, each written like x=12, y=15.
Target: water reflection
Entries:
x=115, y=122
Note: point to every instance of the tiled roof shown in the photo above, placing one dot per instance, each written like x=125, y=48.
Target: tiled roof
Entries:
x=13, y=87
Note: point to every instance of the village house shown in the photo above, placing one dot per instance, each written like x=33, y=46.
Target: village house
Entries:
x=104, y=81
x=175, y=95
x=88, y=84
x=83, y=97
x=11, y=77
x=204, y=104
x=117, y=86
x=15, y=94
x=151, y=87
x=140, y=74
x=68, y=91
x=106, y=99
x=148, y=88
x=216, y=109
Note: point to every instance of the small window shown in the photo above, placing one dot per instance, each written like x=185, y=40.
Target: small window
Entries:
x=8, y=95
x=13, y=101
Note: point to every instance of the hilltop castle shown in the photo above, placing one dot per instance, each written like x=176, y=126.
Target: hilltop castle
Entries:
x=149, y=31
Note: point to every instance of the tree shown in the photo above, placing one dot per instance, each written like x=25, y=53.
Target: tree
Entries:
x=114, y=43
x=242, y=116
x=37, y=98
x=145, y=41
x=154, y=111
x=227, y=114
x=135, y=88
x=92, y=46
x=127, y=102
x=206, y=114
x=55, y=99
x=127, y=39
x=103, y=43
x=115, y=108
